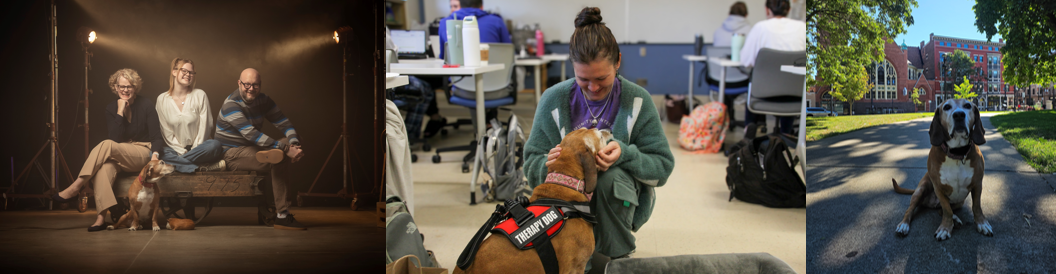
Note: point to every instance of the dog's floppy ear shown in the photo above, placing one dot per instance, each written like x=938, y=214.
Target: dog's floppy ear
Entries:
x=977, y=131
x=590, y=171
x=938, y=132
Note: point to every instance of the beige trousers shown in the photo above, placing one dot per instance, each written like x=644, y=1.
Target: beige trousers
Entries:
x=245, y=158
x=103, y=164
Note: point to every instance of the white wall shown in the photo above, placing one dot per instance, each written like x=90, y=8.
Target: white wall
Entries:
x=653, y=21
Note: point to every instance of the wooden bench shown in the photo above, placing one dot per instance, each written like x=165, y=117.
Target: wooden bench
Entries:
x=184, y=191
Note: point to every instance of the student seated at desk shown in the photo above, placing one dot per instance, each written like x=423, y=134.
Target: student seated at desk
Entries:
x=776, y=32
x=492, y=26
x=735, y=23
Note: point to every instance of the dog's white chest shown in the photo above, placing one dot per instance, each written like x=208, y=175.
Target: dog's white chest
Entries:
x=145, y=194
x=958, y=175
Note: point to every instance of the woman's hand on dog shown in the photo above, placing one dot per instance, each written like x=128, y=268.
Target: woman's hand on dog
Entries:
x=607, y=156
x=554, y=152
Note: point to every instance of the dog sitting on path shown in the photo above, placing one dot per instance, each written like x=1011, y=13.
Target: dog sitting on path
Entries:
x=572, y=177
x=144, y=191
x=955, y=169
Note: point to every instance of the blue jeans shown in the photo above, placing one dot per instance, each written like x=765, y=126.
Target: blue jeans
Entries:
x=206, y=153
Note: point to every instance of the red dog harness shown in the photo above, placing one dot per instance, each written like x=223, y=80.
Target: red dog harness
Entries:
x=529, y=225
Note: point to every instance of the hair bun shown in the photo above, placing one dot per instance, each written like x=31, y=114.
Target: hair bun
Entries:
x=588, y=16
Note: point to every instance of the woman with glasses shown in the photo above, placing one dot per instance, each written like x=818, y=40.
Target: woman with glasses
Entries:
x=134, y=140
x=187, y=123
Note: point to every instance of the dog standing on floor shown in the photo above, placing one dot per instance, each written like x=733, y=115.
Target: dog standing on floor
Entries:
x=955, y=169
x=144, y=191
x=575, y=244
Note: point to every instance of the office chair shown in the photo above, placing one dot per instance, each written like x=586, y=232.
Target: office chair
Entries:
x=736, y=81
x=774, y=92
x=498, y=91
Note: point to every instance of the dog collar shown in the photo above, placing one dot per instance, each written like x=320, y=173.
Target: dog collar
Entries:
x=953, y=155
x=569, y=181
x=144, y=182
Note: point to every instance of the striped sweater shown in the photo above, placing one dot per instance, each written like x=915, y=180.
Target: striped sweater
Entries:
x=239, y=122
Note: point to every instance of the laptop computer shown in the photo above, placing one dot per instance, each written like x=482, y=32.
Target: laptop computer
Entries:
x=411, y=44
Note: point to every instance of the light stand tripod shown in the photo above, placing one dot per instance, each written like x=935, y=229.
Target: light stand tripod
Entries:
x=343, y=32
x=52, y=124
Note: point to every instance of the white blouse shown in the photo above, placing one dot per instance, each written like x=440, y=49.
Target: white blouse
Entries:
x=190, y=126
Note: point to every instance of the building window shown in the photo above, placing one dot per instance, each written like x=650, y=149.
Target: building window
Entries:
x=886, y=81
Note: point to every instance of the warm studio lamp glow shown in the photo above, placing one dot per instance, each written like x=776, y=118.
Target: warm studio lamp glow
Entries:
x=86, y=36
x=344, y=32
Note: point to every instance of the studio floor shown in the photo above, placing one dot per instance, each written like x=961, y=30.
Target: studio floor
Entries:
x=692, y=214
x=338, y=240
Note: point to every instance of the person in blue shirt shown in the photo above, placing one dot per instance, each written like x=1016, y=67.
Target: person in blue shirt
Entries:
x=492, y=26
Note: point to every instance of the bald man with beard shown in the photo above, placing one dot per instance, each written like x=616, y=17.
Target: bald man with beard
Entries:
x=238, y=128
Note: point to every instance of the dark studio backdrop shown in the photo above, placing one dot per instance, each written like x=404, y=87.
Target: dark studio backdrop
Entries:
x=290, y=42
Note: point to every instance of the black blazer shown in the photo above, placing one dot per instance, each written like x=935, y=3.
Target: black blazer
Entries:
x=143, y=128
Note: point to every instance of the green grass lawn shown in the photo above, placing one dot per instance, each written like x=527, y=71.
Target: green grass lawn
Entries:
x=1033, y=133
x=821, y=127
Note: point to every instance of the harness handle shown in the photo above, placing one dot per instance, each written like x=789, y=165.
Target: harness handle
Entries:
x=470, y=252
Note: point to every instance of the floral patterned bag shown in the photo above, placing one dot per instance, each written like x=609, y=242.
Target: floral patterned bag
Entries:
x=704, y=130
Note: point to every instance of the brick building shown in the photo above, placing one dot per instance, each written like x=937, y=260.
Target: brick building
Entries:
x=905, y=68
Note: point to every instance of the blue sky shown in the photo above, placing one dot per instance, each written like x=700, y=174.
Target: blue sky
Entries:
x=951, y=18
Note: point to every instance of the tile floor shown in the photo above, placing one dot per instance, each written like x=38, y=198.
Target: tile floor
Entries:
x=692, y=215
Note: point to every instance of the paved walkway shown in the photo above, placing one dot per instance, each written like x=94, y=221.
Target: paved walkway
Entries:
x=852, y=211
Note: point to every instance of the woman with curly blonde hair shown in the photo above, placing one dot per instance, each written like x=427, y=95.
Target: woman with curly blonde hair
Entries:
x=134, y=139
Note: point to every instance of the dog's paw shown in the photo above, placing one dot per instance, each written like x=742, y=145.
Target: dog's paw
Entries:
x=132, y=228
x=902, y=229
x=168, y=226
x=157, y=228
x=985, y=228
x=942, y=233
x=957, y=220
x=110, y=227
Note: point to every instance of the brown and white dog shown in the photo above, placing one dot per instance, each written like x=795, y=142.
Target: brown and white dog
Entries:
x=144, y=191
x=955, y=169
x=575, y=244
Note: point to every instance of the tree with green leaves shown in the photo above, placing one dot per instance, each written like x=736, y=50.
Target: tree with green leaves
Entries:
x=964, y=90
x=844, y=36
x=916, y=98
x=850, y=91
x=1029, y=54
x=955, y=66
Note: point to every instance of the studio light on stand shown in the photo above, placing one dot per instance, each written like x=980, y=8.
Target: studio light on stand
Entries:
x=343, y=37
x=86, y=36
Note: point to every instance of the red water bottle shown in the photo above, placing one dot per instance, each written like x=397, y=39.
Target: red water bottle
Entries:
x=539, y=50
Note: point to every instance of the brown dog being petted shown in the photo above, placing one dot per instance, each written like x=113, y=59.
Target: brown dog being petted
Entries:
x=955, y=169
x=519, y=245
x=144, y=191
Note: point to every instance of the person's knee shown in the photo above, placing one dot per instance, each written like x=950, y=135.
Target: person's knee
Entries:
x=107, y=143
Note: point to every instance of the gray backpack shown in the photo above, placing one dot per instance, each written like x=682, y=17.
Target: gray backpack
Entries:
x=501, y=150
x=401, y=234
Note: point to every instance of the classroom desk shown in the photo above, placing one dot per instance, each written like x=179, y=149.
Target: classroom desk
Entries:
x=558, y=57
x=395, y=80
x=693, y=59
x=421, y=61
x=477, y=73
x=724, y=63
x=801, y=144
x=536, y=63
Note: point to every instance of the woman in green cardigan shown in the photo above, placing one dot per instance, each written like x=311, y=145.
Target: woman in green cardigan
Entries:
x=633, y=163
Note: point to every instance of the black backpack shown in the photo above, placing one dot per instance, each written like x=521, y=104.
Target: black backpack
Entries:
x=760, y=174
